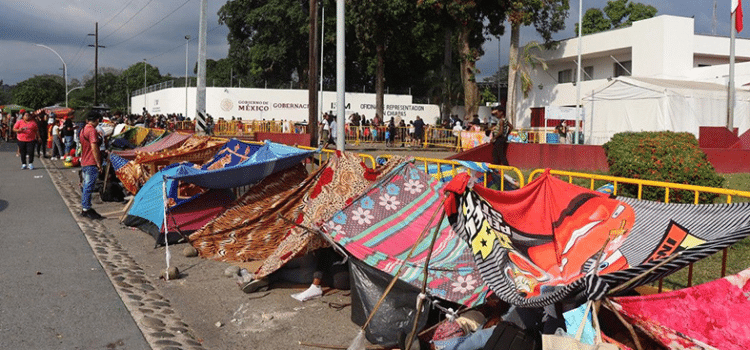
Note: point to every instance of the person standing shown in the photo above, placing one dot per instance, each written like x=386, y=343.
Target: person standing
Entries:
x=500, y=137
x=91, y=164
x=57, y=145
x=68, y=132
x=419, y=131
x=27, y=134
x=41, y=146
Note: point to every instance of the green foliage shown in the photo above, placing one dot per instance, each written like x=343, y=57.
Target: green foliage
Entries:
x=487, y=96
x=39, y=91
x=619, y=13
x=594, y=21
x=661, y=156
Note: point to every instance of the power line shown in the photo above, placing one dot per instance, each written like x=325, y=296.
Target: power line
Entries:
x=117, y=14
x=128, y=21
x=180, y=45
x=157, y=22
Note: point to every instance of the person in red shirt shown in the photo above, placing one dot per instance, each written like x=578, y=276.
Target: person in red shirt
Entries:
x=27, y=134
x=91, y=163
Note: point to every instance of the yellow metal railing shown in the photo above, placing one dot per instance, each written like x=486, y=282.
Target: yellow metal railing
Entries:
x=325, y=154
x=438, y=137
x=667, y=186
x=441, y=173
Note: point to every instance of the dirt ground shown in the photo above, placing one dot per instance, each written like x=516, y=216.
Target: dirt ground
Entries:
x=218, y=313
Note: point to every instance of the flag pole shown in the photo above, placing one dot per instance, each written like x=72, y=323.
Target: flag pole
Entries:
x=730, y=100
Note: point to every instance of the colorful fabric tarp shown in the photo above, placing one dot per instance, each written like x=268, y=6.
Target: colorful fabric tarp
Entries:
x=343, y=178
x=710, y=315
x=229, y=170
x=169, y=141
x=249, y=229
x=534, y=245
x=380, y=228
x=135, y=173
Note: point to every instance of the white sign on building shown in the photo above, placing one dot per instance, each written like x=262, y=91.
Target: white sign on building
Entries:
x=276, y=104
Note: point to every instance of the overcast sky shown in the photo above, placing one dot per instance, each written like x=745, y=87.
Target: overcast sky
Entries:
x=132, y=30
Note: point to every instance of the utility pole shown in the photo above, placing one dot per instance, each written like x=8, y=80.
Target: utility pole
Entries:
x=340, y=75
x=96, y=64
x=200, y=98
x=312, y=75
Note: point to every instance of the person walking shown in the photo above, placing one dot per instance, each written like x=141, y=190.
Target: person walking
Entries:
x=27, y=134
x=91, y=163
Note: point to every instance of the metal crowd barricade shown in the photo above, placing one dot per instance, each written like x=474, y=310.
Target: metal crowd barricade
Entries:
x=445, y=168
x=325, y=154
x=439, y=137
x=667, y=186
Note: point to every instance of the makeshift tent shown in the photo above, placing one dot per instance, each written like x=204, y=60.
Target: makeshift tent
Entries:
x=133, y=174
x=713, y=314
x=145, y=213
x=381, y=226
x=235, y=169
x=534, y=245
x=252, y=230
x=343, y=178
x=235, y=235
x=650, y=104
x=172, y=140
x=13, y=108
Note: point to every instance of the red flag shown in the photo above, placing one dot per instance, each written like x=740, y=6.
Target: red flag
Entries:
x=737, y=7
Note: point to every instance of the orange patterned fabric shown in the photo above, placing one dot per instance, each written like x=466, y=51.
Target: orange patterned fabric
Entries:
x=252, y=229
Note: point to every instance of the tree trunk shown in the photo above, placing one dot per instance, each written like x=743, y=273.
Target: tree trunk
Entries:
x=468, y=66
x=312, y=76
x=380, y=81
x=510, y=104
x=446, y=75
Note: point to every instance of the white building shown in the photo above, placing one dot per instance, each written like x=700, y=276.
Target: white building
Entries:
x=663, y=50
x=278, y=104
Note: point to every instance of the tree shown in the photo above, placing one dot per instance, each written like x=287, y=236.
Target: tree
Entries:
x=547, y=16
x=39, y=91
x=619, y=13
x=266, y=38
x=472, y=19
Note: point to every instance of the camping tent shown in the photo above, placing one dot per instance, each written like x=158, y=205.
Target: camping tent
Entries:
x=650, y=104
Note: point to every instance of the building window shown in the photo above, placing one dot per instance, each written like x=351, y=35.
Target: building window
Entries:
x=565, y=76
x=588, y=73
x=623, y=68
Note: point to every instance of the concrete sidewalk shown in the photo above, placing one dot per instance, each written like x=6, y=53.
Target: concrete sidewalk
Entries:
x=54, y=294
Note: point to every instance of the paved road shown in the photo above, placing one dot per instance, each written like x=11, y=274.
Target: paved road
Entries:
x=54, y=294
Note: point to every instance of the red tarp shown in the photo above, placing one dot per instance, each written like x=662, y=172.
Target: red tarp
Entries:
x=714, y=313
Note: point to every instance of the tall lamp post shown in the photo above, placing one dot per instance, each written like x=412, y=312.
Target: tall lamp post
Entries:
x=65, y=70
x=187, y=40
x=145, y=104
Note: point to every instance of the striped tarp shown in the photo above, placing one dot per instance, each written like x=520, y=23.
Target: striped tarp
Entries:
x=533, y=246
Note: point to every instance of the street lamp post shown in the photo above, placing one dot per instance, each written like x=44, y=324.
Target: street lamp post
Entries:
x=65, y=70
x=145, y=107
x=187, y=40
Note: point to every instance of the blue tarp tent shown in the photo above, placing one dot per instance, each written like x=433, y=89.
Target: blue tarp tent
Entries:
x=266, y=160
x=243, y=164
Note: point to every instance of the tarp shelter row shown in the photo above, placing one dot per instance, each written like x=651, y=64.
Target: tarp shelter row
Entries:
x=650, y=104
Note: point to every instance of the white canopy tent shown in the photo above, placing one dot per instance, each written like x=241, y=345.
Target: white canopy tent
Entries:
x=650, y=104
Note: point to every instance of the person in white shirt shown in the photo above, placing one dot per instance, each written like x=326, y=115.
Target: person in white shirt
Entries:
x=57, y=145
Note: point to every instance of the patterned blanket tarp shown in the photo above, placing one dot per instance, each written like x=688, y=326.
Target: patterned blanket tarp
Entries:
x=169, y=141
x=713, y=314
x=133, y=174
x=534, y=245
x=236, y=235
x=258, y=234
x=380, y=228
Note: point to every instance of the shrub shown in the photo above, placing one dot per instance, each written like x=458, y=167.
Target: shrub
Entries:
x=661, y=156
